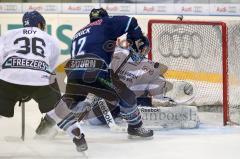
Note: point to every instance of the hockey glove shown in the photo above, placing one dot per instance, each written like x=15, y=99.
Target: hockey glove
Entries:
x=141, y=45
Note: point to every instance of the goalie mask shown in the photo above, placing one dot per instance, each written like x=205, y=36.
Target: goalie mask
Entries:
x=96, y=14
x=33, y=19
x=136, y=57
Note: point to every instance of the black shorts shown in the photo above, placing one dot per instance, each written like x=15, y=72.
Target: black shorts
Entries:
x=77, y=90
x=97, y=80
x=46, y=96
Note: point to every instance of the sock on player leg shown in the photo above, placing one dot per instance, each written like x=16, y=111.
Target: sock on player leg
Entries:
x=130, y=113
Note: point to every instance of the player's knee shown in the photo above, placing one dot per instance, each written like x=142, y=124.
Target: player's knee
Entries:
x=128, y=98
x=72, y=100
x=127, y=104
x=48, y=105
x=144, y=101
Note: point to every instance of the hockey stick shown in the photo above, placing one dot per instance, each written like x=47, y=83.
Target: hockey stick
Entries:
x=109, y=118
x=23, y=121
x=22, y=104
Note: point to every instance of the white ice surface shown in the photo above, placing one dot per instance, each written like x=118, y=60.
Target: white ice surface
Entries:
x=207, y=142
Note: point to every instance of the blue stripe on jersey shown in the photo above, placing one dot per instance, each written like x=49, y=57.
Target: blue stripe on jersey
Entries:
x=136, y=27
x=128, y=24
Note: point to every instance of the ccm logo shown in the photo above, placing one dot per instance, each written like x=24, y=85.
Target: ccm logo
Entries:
x=180, y=43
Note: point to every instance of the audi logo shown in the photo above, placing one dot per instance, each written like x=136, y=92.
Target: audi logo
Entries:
x=180, y=43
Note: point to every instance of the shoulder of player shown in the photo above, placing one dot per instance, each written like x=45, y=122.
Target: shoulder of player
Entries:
x=115, y=17
x=147, y=63
x=12, y=32
x=112, y=19
x=51, y=39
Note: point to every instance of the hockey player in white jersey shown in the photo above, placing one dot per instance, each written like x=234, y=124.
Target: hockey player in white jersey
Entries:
x=28, y=57
x=139, y=73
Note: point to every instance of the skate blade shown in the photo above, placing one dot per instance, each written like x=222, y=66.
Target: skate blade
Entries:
x=134, y=137
x=44, y=137
x=47, y=136
x=81, y=149
x=84, y=154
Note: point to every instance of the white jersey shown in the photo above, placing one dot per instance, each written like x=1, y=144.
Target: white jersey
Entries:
x=139, y=77
x=28, y=56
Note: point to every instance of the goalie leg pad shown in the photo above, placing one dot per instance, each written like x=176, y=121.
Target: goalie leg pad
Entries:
x=180, y=116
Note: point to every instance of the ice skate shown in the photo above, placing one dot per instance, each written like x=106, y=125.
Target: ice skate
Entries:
x=79, y=140
x=81, y=144
x=46, y=128
x=136, y=132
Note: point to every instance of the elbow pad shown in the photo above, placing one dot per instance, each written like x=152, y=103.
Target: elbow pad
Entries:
x=134, y=31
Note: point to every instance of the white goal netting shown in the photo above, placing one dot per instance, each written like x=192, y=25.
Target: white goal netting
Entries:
x=204, y=53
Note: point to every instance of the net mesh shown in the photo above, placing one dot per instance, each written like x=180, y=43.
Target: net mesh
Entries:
x=234, y=70
x=193, y=52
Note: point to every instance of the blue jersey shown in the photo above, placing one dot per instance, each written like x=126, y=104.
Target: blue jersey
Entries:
x=99, y=37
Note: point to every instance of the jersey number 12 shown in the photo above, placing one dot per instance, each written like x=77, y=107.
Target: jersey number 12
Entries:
x=77, y=47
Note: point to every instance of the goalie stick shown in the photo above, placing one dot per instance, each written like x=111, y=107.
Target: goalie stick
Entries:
x=105, y=110
x=108, y=117
x=131, y=52
x=103, y=105
x=87, y=109
x=95, y=101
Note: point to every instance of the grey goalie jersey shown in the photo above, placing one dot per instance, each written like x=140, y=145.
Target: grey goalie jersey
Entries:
x=28, y=56
x=139, y=77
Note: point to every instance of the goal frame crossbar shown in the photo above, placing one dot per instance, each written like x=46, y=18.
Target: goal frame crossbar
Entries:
x=226, y=117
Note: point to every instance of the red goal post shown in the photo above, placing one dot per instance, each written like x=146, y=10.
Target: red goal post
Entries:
x=185, y=47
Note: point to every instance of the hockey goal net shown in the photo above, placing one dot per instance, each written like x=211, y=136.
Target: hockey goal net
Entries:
x=206, y=53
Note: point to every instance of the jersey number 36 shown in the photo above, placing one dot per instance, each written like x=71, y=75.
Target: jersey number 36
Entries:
x=34, y=48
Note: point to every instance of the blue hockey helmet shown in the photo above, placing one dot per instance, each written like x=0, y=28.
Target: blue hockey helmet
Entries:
x=96, y=14
x=33, y=19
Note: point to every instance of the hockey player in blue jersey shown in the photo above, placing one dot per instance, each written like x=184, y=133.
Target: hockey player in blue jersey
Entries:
x=87, y=72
